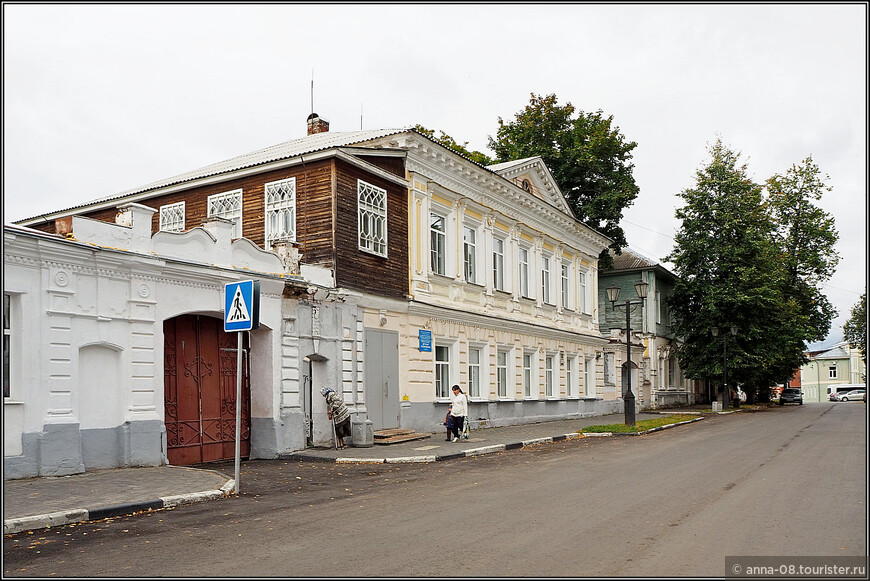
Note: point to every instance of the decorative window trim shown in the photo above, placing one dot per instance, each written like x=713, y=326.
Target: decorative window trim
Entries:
x=227, y=205
x=280, y=211
x=172, y=217
x=371, y=218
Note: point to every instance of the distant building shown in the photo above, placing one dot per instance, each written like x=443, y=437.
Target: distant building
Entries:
x=660, y=382
x=835, y=366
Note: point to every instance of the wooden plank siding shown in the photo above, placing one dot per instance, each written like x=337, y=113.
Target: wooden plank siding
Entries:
x=324, y=189
x=362, y=270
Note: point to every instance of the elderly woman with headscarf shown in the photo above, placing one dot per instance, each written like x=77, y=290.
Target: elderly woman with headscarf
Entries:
x=337, y=411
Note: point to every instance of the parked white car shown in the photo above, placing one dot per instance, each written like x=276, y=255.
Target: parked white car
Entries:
x=854, y=395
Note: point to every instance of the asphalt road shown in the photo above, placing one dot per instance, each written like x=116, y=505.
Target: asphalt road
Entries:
x=785, y=481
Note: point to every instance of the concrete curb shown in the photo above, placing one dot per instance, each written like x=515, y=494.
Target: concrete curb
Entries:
x=65, y=517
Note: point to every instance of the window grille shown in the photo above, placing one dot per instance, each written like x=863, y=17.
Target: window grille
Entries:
x=280, y=212
x=228, y=206
x=172, y=217
x=372, y=204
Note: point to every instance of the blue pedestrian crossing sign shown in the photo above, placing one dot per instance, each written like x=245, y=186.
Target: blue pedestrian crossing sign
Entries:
x=241, y=305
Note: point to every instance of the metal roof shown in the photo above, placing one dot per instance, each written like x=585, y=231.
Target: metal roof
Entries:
x=286, y=150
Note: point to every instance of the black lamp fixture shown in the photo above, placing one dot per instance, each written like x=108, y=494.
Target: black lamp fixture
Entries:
x=641, y=288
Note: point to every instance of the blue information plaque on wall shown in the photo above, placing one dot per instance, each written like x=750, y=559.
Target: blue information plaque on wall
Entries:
x=425, y=340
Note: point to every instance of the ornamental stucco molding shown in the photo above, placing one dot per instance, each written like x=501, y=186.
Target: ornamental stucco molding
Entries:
x=467, y=180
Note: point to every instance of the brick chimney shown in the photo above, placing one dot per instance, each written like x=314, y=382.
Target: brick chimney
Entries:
x=316, y=124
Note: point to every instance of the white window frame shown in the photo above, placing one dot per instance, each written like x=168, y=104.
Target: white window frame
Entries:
x=498, y=245
x=546, y=280
x=528, y=372
x=443, y=370
x=7, y=345
x=523, y=261
x=549, y=373
x=832, y=372
x=172, y=217
x=502, y=372
x=609, y=368
x=569, y=375
x=371, y=218
x=566, y=286
x=227, y=205
x=475, y=370
x=658, y=307
x=280, y=211
x=438, y=244
x=582, y=297
x=589, y=376
x=469, y=253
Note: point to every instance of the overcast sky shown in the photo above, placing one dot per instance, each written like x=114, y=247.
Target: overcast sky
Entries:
x=98, y=99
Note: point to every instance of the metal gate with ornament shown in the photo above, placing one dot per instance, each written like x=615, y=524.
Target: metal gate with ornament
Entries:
x=200, y=391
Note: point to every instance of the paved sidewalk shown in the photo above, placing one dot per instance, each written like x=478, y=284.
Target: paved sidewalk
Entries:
x=35, y=503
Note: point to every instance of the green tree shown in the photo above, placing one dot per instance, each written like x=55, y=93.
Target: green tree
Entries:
x=806, y=237
x=589, y=158
x=728, y=275
x=450, y=143
x=855, y=329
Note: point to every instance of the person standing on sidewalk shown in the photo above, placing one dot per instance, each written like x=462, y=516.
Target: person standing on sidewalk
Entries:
x=459, y=411
x=337, y=411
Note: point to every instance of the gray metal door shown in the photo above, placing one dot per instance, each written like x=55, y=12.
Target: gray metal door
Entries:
x=382, y=378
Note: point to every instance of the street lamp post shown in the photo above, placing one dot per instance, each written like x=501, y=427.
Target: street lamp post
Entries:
x=726, y=397
x=641, y=288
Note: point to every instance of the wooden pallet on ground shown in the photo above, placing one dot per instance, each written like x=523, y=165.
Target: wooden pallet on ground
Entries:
x=397, y=435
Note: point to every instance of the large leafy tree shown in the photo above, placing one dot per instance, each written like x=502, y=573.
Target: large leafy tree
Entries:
x=806, y=236
x=589, y=157
x=450, y=143
x=728, y=275
x=855, y=329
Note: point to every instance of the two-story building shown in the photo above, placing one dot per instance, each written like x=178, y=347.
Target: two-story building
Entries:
x=656, y=377
x=395, y=266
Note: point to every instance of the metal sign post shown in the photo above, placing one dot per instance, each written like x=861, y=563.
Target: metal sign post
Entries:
x=241, y=313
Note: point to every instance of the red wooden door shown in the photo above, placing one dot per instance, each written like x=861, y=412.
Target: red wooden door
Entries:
x=200, y=391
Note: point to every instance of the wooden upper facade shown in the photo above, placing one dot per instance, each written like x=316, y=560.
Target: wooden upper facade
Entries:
x=320, y=213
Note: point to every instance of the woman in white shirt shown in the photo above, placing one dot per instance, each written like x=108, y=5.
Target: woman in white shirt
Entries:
x=459, y=411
